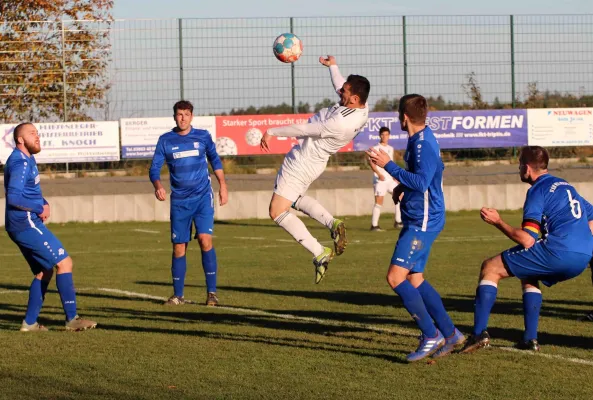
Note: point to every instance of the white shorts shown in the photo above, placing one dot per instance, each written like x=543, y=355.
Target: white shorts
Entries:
x=289, y=187
x=384, y=187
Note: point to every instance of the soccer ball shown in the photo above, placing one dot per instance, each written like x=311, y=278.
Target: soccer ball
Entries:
x=225, y=146
x=253, y=136
x=288, y=48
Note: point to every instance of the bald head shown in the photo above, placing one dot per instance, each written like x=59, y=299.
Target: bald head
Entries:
x=19, y=130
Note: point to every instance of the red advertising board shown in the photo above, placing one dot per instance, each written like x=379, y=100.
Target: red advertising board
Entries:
x=241, y=134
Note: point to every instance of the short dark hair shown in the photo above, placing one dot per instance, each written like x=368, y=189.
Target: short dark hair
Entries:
x=415, y=107
x=16, y=133
x=384, y=129
x=535, y=156
x=360, y=86
x=183, y=105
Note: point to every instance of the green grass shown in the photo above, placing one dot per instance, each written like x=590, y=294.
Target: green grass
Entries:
x=280, y=336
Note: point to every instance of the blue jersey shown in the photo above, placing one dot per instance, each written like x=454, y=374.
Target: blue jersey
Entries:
x=554, y=209
x=24, y=201
x=423, y=204
x=187, y=158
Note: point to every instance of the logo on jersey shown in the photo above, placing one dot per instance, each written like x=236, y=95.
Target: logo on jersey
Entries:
x=60, y=251
x=186, y=153
x=196, y=145
x=173, y=236
x=37, y=179
x=175, y=148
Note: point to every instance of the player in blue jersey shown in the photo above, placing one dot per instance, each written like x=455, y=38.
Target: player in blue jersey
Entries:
x=554, y=210
x=423, y=217
x=26, y=211
x=186, y=151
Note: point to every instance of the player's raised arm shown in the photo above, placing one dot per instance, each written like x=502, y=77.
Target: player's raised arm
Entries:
x=158, y=159
x=216, y=164
x=336, y=77
x=16, y=185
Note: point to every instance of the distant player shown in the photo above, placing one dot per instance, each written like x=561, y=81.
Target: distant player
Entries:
x=325, y=134
x=26, y=211
x=187, y=151
x=423, y=215
x=554, y=210
x=383, y=183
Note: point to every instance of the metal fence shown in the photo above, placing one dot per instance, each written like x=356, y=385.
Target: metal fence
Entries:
x=226, y=64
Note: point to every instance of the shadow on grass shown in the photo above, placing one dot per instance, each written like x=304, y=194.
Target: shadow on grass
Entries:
x=457, y=303
x=296, y=343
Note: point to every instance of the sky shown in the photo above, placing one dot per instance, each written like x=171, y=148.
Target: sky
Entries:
x=126, y=9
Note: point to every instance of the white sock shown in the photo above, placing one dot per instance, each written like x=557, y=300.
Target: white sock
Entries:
x=293, y=225
x=398, y=214
x=315, y=210
x=485, y=282
x=376, y=215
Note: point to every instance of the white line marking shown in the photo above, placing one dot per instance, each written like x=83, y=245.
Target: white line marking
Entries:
x=551, y=356
x=250, y=237
x=145, y=231
x=372, y=328
x=13, y=291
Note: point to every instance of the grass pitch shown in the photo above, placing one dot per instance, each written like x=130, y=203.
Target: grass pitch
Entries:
x=278, y=335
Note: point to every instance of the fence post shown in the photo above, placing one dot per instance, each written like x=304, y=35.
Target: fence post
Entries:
x=181, y=91
x=64, y=80
x=405, y=54
x=513, y=93
x=513, y=61
x=294, y=106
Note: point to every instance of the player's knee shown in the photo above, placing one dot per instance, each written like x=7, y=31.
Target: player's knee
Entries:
x=205, y=242
x=65, y=266
x=179, y=250
x=395, y=276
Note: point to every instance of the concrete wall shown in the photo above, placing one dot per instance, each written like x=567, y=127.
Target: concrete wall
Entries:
x=242, y=205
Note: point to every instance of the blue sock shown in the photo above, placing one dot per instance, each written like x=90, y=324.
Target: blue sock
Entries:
x=485, y=298
x=532, y=303
x=35, y=302
x=436, y=309
x=178, y=269
x=210, y=269
x=415, y=306
x=67, y=294
x=44, y=285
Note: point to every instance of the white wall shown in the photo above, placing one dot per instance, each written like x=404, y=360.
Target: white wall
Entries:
x=242, y=205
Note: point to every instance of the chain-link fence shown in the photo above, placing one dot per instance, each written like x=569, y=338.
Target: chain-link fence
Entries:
x=139, y=68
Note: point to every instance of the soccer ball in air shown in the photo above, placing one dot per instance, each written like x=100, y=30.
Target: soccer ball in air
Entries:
x=226, y=146
x=288, y=47
x=253, y=137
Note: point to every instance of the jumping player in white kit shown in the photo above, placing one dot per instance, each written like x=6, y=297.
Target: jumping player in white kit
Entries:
x=324, y=135
x=384, y=183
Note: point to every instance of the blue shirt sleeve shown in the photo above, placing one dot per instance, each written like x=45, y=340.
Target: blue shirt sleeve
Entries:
x=533, y=211
x=426, y=165
x=158, y=159
x=213, y=155
x=588, y=208
x=18, y=173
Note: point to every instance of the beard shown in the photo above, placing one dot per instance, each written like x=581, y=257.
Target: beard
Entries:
x=33, y=148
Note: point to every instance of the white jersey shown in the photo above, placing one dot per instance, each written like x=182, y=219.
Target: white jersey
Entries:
x=389, y=150
x=326, y=133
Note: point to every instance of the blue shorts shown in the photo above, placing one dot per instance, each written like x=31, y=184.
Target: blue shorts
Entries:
x=412, y=249
x=41, y=248
x=544, y=264
x=198, y=211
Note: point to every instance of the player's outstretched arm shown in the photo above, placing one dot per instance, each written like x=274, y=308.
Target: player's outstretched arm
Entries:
x=216, y=164
x=336, y=77
x=158, y=159
x=524, y=236
x=15, y=188
x=419, y=180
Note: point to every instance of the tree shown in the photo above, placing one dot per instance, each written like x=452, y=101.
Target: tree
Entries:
x=474, y=92
x=54, y=56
